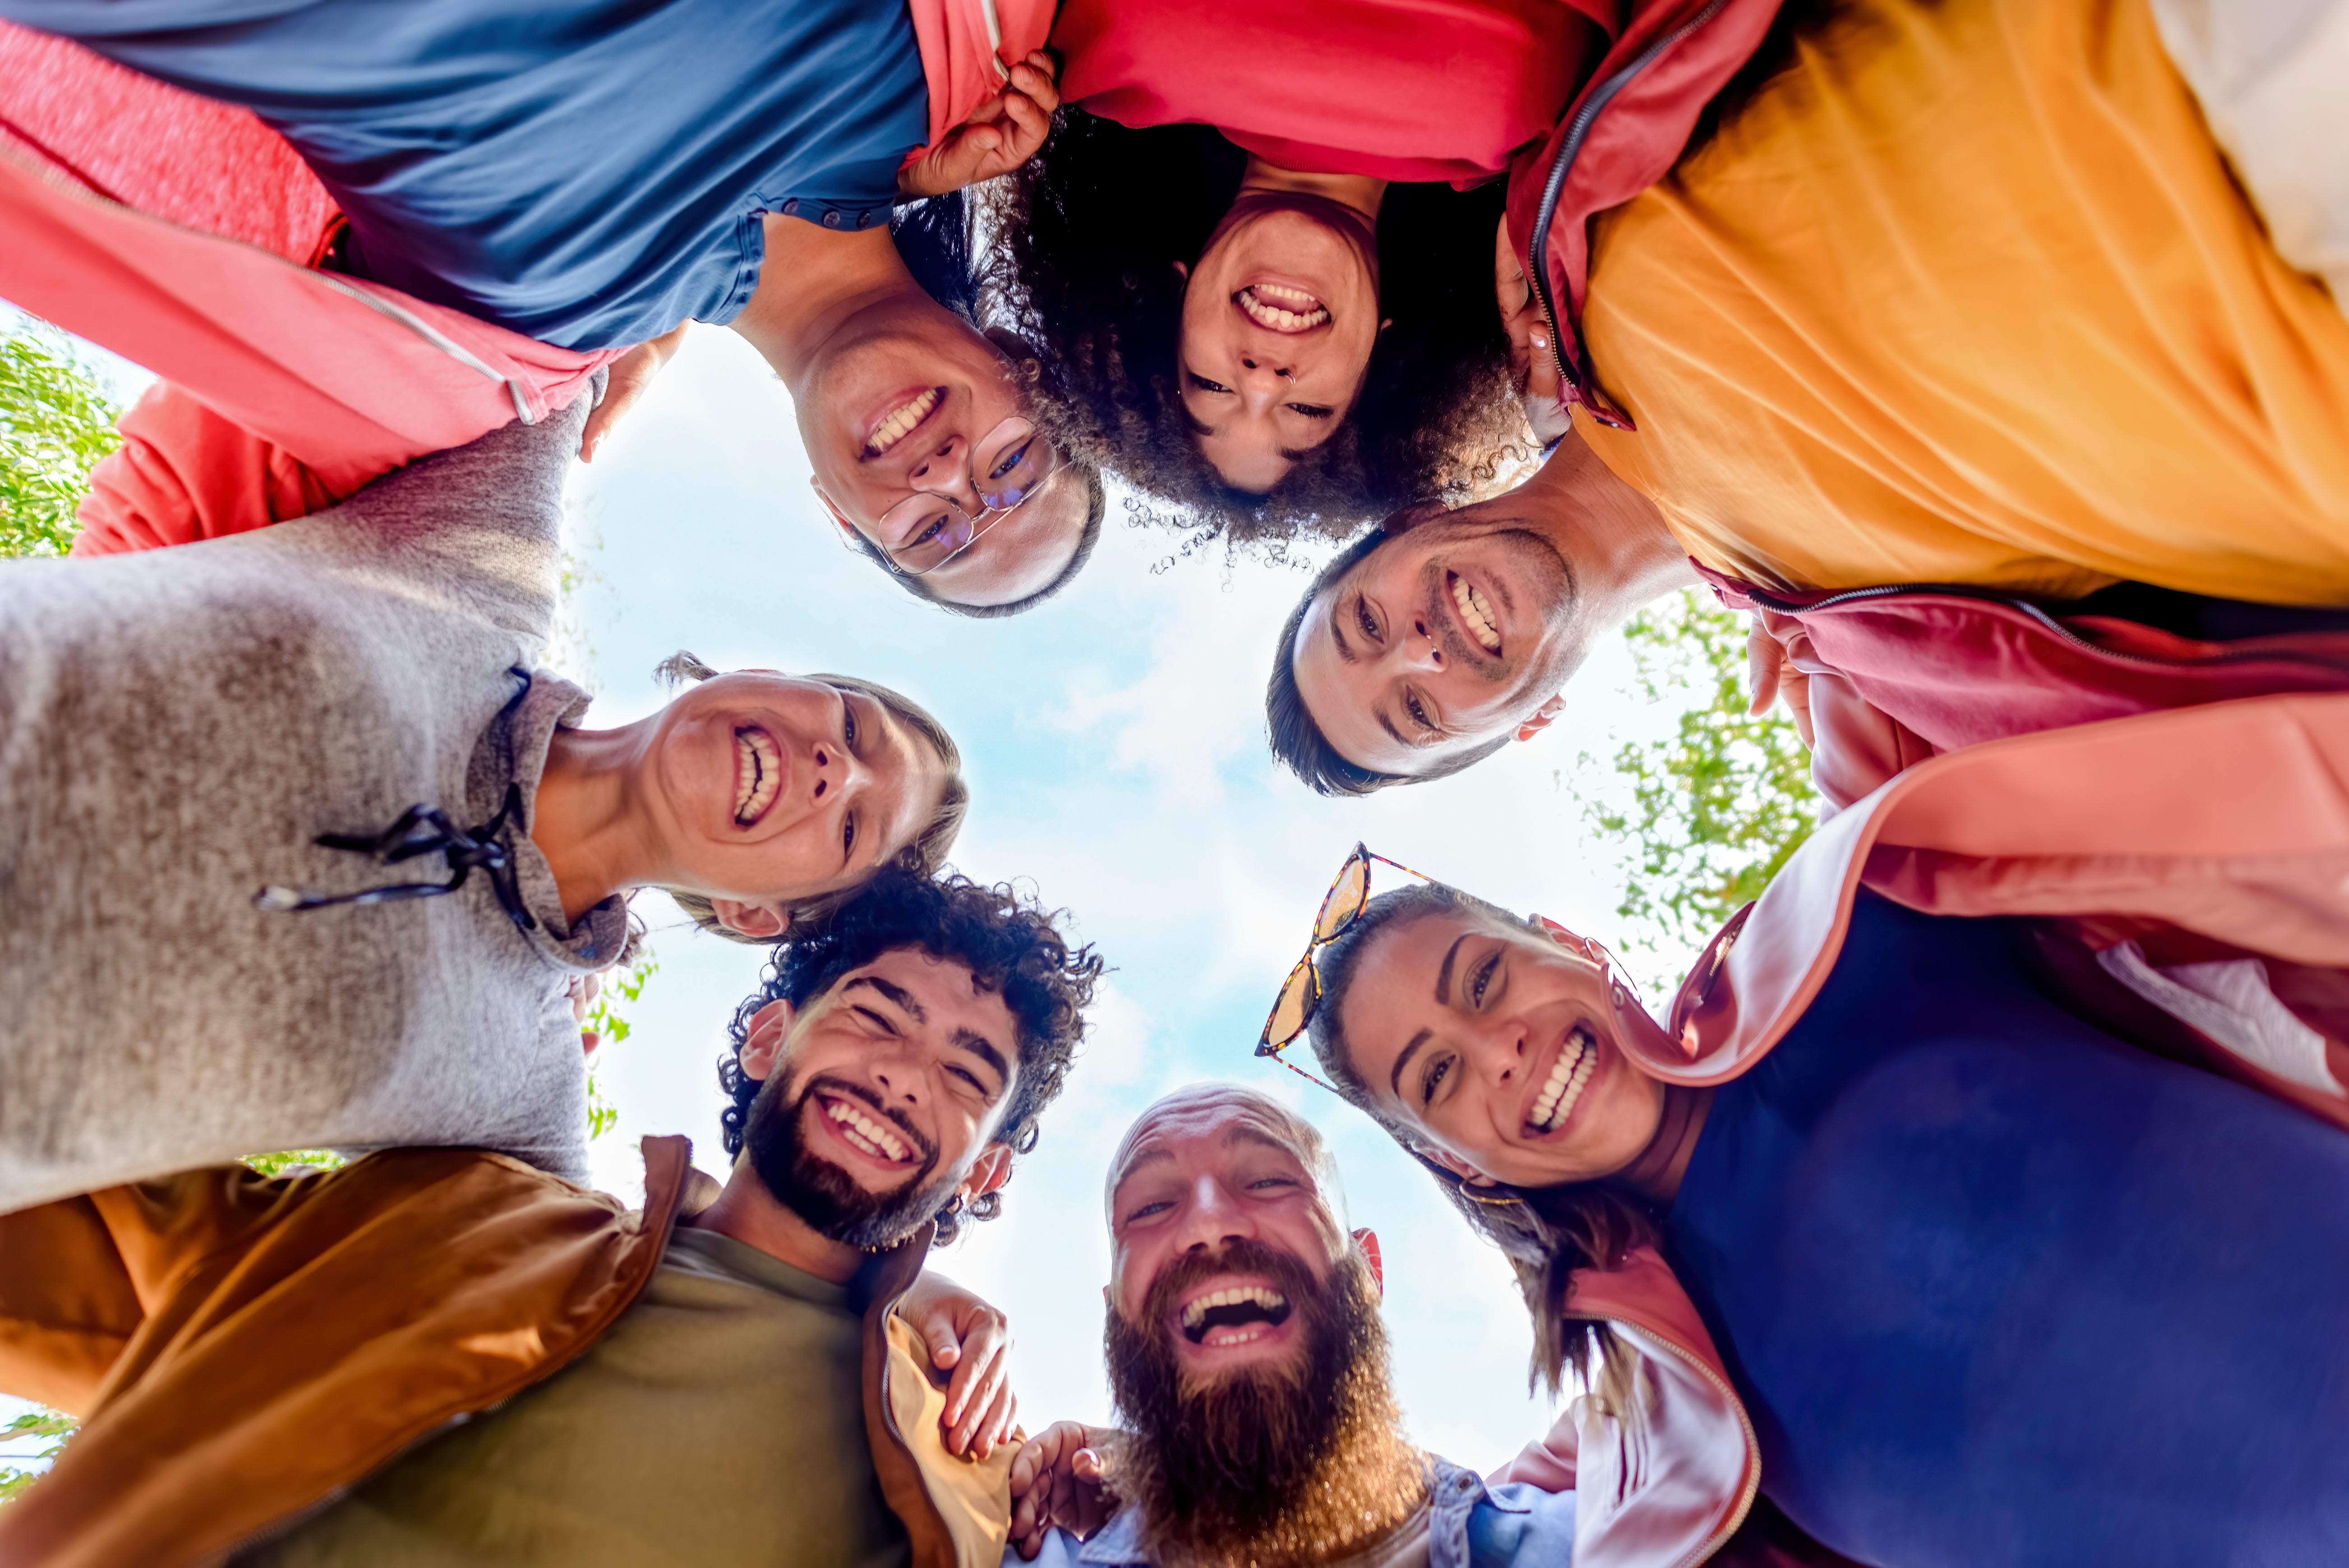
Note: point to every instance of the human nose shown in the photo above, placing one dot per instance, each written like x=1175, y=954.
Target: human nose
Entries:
x=896, y=1072
x=1495, y=1048
x=943, y=468
x=839, y=773
x=1214, y=1218
x=1266, y=379
x=1418, y=647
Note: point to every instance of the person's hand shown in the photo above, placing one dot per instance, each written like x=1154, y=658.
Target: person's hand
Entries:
x=1533, y=367
x=585, y=989
x=1060, y=1479
x=1000, y=135
x=1773, y=675
x=968, y=1338
x=625, y=381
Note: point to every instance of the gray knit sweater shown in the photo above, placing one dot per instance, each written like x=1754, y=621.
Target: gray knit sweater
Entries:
x=177, y=726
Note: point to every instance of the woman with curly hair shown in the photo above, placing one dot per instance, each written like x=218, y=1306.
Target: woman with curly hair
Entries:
x=1261, y=291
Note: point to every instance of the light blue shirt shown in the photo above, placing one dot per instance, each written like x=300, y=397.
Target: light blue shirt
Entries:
x=1470, y=1525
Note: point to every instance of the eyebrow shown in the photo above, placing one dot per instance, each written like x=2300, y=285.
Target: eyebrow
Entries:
x=1395, y=1079
x=979, y=1045
x=897, y=994
x=1161, y=1155
x=1337, y=635
x=1443, y=971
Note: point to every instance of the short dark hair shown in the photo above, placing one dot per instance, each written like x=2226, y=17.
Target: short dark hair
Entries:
x=1087, y=236
x=1546, y=1233
x=1289, y=726
x=1096, y=504
x=1012, y=947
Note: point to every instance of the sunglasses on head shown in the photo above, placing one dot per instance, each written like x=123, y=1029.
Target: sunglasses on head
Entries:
x=1301, y=994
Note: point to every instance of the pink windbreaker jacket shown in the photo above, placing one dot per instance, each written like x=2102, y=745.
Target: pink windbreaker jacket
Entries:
x=1896, y=674
x=2141, y=862
x=183, y=234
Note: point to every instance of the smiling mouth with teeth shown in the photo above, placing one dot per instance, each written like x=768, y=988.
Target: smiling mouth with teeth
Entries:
x=757, y=774
x=866, y=1132
x=1234, y=1316
x=1476, y=615
x=1276, y=308
x=899, y=422
x=1568, y=1078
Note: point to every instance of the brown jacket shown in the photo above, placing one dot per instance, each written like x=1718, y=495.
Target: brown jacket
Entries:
x=242, y=1349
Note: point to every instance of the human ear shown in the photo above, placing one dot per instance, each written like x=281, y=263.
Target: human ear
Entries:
x=989, y=1172
x=760, y=920
x=832, y=507
x=1469, y=1175
x=1183, y=271
x=1541, y=717
x=1009, y=344
x=1368, y=1239
x=763, y=1042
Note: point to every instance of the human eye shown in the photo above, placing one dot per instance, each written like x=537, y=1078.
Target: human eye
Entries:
x=938, y=525
x=1312, y=410
x=1204, y=385
x=1480, y=978
x=1011, y=460
x=1437, y=1071
x=848, y=836
x=847, y=722
x=1272, y=1181
x=1156, y=1206
x=1417, y=709
x=1363, y=618
x=970, y=1079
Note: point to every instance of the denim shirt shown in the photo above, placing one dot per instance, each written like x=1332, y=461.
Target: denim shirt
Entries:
x=1471, y=1525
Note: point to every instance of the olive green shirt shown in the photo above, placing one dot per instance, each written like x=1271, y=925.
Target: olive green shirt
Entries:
x=720, y=1421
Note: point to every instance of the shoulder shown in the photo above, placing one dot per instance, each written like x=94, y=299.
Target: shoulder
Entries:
x=1520, y=1524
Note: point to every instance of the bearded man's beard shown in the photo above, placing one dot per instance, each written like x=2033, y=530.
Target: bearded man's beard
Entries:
x=818, y=1191
x=1277, y=1463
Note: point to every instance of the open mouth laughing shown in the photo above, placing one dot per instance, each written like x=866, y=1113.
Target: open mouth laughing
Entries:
x=1276, y=308
x=1476, y=615
x=1220, y=1316
x=865, y=1131
x=758, y=773
x=898, y=423
x=1568, y=1076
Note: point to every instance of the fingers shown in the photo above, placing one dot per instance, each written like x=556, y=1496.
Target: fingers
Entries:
x=1040, y=78
x=987, y=1425
x=980, y=1385
x=1764, y=658
x=624, y=382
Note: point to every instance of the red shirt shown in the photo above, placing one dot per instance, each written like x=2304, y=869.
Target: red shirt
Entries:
x=1397, y=90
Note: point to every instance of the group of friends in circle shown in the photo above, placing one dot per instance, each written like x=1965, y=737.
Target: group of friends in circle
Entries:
x=1977, y=1197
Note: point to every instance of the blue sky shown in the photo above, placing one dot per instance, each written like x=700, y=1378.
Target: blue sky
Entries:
x=1115, y=756
x=1114, y=746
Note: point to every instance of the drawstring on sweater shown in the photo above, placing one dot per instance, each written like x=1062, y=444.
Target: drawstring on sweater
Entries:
x=422, y=831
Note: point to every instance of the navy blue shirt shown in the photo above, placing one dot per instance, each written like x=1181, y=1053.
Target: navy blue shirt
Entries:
x=590, y=172
x=2000, y=1288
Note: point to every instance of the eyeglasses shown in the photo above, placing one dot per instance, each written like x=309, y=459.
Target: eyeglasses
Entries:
x=1301, y=994
x=1008, y=466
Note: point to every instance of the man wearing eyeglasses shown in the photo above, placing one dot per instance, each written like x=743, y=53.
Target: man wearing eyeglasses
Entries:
x=1249, y=1366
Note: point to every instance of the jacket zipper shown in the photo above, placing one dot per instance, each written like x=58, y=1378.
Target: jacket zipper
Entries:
x=1752, y=1485
x=1546, y=214
x=2038, y=617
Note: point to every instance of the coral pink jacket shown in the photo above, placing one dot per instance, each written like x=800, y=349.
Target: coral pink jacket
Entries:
x=1898, y=674
x=2206, y=832
x=182, y=234
x=176, y=232
x=1627, y=127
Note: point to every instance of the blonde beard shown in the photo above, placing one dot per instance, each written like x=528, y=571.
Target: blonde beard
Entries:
x=1370, y=1480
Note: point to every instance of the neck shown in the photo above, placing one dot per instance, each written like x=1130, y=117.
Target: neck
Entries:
x=1358, y=191
x=1657, y=1172
x=584, y=820
x=1624, y=557
x=747, y=1212
x=813, y=282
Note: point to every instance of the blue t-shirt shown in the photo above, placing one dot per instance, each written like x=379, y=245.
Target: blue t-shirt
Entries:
x=2000, y=1288
x=590, y=172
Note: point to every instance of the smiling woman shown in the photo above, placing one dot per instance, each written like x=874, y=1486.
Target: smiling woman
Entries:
x=761, y=777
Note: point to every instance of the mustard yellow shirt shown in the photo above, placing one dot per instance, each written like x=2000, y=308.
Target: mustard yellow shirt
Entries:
x=1968, y=295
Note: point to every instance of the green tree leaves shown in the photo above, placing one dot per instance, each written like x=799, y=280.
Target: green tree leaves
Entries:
x=57, y=422
x=1706, y=816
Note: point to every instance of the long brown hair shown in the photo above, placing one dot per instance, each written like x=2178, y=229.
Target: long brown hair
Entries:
x=1546, y=1233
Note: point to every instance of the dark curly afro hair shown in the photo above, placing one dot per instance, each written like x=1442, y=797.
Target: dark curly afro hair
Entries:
x=1012, y=946
x=1087, y=234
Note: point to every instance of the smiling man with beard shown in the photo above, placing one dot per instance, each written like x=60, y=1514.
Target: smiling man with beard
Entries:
x=444, y=1356
x=1249, y=1366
